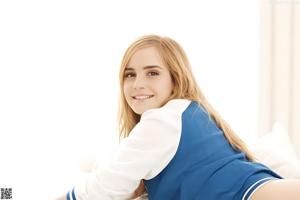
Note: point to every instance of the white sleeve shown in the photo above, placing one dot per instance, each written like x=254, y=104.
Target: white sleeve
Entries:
x=145, y=153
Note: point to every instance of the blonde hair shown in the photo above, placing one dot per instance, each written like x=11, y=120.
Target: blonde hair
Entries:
x=185, y=87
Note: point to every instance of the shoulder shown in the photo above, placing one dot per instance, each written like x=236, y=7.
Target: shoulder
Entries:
x=165, y=120
x=173, y=108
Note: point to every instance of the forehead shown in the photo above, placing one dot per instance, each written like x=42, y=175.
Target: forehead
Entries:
x=145, y=57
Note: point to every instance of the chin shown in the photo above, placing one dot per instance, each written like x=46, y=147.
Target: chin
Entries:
x=140, y=111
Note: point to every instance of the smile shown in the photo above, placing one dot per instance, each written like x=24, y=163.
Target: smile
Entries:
x=142, y=97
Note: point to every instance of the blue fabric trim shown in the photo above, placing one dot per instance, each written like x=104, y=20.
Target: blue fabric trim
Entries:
x=68, y=196
x=73, y=194
x=256, y=185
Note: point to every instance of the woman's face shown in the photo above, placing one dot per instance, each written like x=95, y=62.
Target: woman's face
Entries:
x=147, y=81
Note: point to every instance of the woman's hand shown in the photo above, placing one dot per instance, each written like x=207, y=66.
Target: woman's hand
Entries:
x=62, y=198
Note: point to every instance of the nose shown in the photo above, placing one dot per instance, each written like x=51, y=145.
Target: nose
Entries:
x=139, y=83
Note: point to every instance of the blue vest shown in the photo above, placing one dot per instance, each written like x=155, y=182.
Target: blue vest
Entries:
x=205, y=165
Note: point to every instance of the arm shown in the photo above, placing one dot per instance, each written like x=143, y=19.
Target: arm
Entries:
x=144, y=154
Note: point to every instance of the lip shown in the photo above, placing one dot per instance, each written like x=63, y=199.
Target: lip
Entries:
x=140, y=96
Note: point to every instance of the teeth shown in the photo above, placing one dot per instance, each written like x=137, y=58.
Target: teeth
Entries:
x=142, y=97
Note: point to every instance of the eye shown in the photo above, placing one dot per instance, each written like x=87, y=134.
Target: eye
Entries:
x=153, y=73
x=129, y=75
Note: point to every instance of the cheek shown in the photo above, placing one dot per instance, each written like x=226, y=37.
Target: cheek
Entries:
x=126, y=90
x=169, y=89
x=167, y=85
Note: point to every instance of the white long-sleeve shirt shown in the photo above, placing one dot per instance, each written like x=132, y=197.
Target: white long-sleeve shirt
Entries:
x=147, y=150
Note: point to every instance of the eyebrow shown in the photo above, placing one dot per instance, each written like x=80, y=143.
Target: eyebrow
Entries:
x=145, y=67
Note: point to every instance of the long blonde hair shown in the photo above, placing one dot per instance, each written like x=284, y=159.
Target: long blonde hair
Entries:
x=185, y=87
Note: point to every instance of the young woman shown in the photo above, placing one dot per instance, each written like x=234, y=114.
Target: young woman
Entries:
x=174, y=144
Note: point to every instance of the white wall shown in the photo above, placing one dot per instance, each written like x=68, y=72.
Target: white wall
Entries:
x=280, y=67
x=59, y=65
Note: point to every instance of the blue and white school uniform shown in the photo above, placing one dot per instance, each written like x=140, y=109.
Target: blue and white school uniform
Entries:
x=182, y=155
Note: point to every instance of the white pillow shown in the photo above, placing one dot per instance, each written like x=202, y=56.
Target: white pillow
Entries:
x=276, y=151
